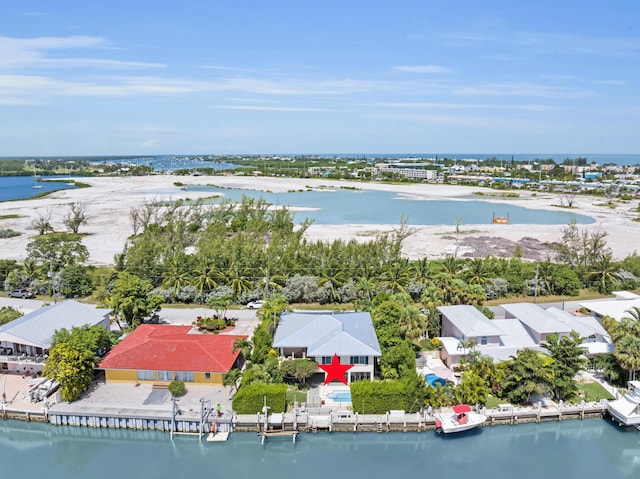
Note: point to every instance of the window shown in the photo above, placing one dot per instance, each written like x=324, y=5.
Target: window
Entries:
x=359, y=359
x=166, y=375
x=146, y=375
x=326, y=359
x=207, y=375
x=184, y=376
x=483, y=340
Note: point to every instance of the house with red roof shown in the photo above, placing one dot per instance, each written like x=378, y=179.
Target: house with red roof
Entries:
x=155, y=353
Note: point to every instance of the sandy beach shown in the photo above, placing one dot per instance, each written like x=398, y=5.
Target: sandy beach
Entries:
x=109, y=200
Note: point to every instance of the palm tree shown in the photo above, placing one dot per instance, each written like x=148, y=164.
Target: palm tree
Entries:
x=412, y=323
x=421, y=271
x=396, y=276
x=244, y=346
x=626, y=338
x=205, y=277
x=272, y=309
x=476, y=272
x=604, y=273
x=231, y=379
x=238, y=281
x=176, y=275
x=332, y=280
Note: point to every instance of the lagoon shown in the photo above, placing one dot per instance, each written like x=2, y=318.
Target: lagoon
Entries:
x=21, y=187
x=592, y=448
x=347, y=206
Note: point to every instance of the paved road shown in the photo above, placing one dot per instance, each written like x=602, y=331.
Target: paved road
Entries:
x=245, y=324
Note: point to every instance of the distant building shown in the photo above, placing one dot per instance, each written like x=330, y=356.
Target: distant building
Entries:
x=410, y=170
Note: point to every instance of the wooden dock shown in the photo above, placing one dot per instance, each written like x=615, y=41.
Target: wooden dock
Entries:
x=278, y=433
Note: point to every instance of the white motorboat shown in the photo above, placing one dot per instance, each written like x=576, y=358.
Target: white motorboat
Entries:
x=461, y=419
x=626, y=410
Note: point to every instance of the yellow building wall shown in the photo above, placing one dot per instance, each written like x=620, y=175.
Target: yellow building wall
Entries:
x=120, y=376
x=127, y=376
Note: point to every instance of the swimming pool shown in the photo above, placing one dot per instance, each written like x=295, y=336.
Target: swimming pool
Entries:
x=432, y=380
x=340, y=396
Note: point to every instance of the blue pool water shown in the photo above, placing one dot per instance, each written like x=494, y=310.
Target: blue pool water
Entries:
x=432, y=380
x=340, y=396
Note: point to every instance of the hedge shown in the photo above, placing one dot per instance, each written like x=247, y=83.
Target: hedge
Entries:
x=250, y=398
x=378, y=397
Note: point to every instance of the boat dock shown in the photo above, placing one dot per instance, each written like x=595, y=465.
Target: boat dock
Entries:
x=290, y=424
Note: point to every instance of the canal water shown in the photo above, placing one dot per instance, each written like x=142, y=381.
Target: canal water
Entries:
x=592, y=448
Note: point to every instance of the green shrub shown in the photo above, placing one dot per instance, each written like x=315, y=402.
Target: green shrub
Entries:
x=8, y=233
x=211, y=324
x=176, y=388
x=250, y=398
x=381, y=396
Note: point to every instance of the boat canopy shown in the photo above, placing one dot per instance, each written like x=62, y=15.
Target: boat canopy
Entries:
x=461, y=408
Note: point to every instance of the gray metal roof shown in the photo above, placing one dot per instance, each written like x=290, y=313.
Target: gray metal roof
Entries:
x=470, y=321
x=326, y=334
x=585, y=326
x=514, y=335
x=536, y=318
x=37, y=328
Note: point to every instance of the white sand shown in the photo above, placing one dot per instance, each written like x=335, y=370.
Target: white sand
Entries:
x=109, y=201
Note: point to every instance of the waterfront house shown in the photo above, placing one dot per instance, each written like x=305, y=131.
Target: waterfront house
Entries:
x=158, y=353
x=538, y=322
x=615, y=308
x=25, y=341
x=318, y=336
x=466, y=329
x=596, y=339
x=526, y=326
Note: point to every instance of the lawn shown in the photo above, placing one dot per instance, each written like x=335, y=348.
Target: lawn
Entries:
x=594, y=392
x=295, y=395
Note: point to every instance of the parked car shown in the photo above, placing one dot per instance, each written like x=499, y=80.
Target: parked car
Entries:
x=255, y=304
x=21, y=293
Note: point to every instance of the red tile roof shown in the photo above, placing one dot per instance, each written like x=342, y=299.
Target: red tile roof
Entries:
x=171, y=348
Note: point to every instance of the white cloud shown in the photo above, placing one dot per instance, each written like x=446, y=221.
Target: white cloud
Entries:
x=269, y=108
x=422, y=69
x=464, y=106
x=522, y=89
x=25, y=53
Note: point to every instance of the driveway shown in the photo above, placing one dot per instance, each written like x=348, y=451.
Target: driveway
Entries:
x=246, y=319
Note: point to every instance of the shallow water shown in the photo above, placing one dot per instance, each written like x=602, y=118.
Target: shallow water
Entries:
x=592, y=448
x=345, y=206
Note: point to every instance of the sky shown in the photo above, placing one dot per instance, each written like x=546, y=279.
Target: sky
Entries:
x=123, y=77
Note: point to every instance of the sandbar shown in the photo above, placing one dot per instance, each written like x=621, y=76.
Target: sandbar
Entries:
x=110, y=199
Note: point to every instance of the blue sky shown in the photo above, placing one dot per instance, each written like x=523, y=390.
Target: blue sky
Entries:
x=197, y=76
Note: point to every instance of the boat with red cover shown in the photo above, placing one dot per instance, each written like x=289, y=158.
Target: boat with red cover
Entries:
x=463, y=418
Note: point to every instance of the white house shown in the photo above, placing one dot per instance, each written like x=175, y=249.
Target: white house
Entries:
x=318, y=336
x=616, y=308
x=538, y=322
x=525, y=327
x=498, y=339
x=25, y=341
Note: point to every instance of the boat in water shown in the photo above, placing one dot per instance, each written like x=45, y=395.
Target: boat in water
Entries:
x=626, y=410
x=461, y=419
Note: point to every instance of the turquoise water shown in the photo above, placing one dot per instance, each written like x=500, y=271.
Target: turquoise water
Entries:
x=346, y=206
x=570, y=449
x=340, y=396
